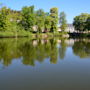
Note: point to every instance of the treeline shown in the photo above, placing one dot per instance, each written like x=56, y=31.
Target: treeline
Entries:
x=82, y=22
x=28, y=19
x=31, y=21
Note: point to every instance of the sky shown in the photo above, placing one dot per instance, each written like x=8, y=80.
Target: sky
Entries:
x=72, y=8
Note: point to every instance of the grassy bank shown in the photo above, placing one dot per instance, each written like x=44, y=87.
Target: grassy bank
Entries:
x=23, y=33
x=9, y=34
x=15, y=34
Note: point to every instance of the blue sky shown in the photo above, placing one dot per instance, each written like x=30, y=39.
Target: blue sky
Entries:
x=70, y=7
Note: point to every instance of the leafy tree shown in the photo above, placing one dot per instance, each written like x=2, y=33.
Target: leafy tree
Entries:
x=3, y=15
x=63, y=21
x=28, y=17
x=54, y=16
x=13, y=22
x=80, y=22
x=48, y=20
x=88, y=23
x=40, y=19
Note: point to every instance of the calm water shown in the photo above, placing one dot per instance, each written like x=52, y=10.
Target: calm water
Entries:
x=46, y=64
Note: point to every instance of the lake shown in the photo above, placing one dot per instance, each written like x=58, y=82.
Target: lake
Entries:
x=44, y=64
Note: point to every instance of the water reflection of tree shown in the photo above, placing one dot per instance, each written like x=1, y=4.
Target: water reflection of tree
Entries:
x=28, y=53
x=62, y=49
x=8, y=51
x=39, y=50
x=53, y=53
x=82, y=48
x=11, y=49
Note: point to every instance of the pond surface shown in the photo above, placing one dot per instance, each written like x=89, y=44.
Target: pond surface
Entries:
x=44, y=64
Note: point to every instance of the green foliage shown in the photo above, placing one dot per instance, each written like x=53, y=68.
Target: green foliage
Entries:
x=28, y=18
x=40, y=19
x=63, y=21
x=40, y=24
x=9, y=19
x=12, y=22
x=88, y=23
x=48, y=20
x=81, y=22
x=54, y=16
x=40, y=13
x=4, y=11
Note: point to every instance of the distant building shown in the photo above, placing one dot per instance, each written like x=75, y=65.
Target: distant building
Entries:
x=70, y=28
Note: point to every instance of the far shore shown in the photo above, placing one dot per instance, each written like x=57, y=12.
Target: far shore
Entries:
x=42, y=35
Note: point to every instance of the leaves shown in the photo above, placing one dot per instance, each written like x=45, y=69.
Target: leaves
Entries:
x=81, y=22
x=28, y=18
x=63, y=21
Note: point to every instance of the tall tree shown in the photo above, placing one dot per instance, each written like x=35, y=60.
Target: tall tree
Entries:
x=54, y=16
x=28, y=17
x=80, y=22
x=47, y=24
x=40, y=19
x=4, y=11
x=88, y=23
x=63, y=21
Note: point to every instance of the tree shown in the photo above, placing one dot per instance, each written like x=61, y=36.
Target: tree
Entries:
x=63, y=21
x=28, y=18
x=48, y=20
x=80, y=22
x=88, y=23
x=54, y=16
x=40, y=19
x=3, y=18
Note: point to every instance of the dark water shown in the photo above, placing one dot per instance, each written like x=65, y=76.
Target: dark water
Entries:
x=44, y=64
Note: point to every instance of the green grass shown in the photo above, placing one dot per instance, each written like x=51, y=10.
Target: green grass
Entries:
x=15, y=34
x=23, y=33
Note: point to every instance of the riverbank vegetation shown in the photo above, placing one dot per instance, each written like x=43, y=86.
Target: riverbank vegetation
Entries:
x=31, y=22
x=27, y=21
x=82, y=23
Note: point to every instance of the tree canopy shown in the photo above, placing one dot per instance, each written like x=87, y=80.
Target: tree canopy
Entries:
x=63, y=21
x=82, y=22
x=27, y=18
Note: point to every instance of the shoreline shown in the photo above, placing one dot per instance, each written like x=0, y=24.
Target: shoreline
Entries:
x=43, y=35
